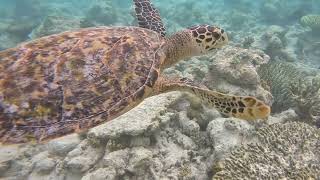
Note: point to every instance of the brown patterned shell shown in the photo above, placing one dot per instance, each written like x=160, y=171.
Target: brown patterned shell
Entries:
x=72, y=81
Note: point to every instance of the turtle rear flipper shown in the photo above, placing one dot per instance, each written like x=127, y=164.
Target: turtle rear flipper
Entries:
x=243, y=107
x=148, y=17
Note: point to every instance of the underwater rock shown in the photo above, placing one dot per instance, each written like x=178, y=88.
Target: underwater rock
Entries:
x=284, y=116
x=16, y=160
x=42, y=163
x=117, y=160
x=312, y=21
x=142, y=120
x=139, y=161
x=289, y=150
x=227, y=133
x=83, y=157
x=54, y=24
x=62, y=146
x=233, y=70
x=274, y=43
x=178, y=147
x=101, y=174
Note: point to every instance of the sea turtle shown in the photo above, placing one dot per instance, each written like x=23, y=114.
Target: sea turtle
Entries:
x=70, y=82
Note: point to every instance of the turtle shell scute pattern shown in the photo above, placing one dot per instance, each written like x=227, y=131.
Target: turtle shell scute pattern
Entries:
x=75, y=80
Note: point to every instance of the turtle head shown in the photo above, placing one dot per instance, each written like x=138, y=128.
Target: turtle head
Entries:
x=193, y=41
x=207, y=38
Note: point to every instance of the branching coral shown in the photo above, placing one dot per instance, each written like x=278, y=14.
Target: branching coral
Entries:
x=281, y=151
x=306, y=92
x=292, y=87
x=247, y=42
x=276, y=77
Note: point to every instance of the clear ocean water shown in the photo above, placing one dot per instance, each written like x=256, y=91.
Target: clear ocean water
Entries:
x=285, y=31
x=19, y=18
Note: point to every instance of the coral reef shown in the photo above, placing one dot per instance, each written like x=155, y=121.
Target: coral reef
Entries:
x=274, y=43
x=280, y=151
x=141, y=144
x=162, y=138
x=233, y=70
x=276, y=77
x=247, y=42
x=312, y=21
x=306, y=93
x=293, y=87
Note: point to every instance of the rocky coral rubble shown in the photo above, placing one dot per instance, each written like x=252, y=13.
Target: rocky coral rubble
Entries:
x=289, y=150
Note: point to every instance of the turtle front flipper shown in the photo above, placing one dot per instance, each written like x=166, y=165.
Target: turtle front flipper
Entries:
x=149, y=17
x=243, y=107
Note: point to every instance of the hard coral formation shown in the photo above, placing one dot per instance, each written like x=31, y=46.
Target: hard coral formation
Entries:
x=149, y=142
x=274, y=43
x=276, y=77
x=280, y=151
x=293, y=87
x=233, y=70
x=306, y=94
x=312, y=21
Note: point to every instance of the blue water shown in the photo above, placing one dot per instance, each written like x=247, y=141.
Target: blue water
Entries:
x=235, y=15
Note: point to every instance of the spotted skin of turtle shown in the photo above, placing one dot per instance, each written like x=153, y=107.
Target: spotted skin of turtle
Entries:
x=72, y=81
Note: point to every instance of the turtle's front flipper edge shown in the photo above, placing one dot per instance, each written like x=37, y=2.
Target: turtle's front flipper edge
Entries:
x=243, y=107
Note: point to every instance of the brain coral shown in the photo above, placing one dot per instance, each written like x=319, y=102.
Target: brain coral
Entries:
x=312, y=21
x=282, y=151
